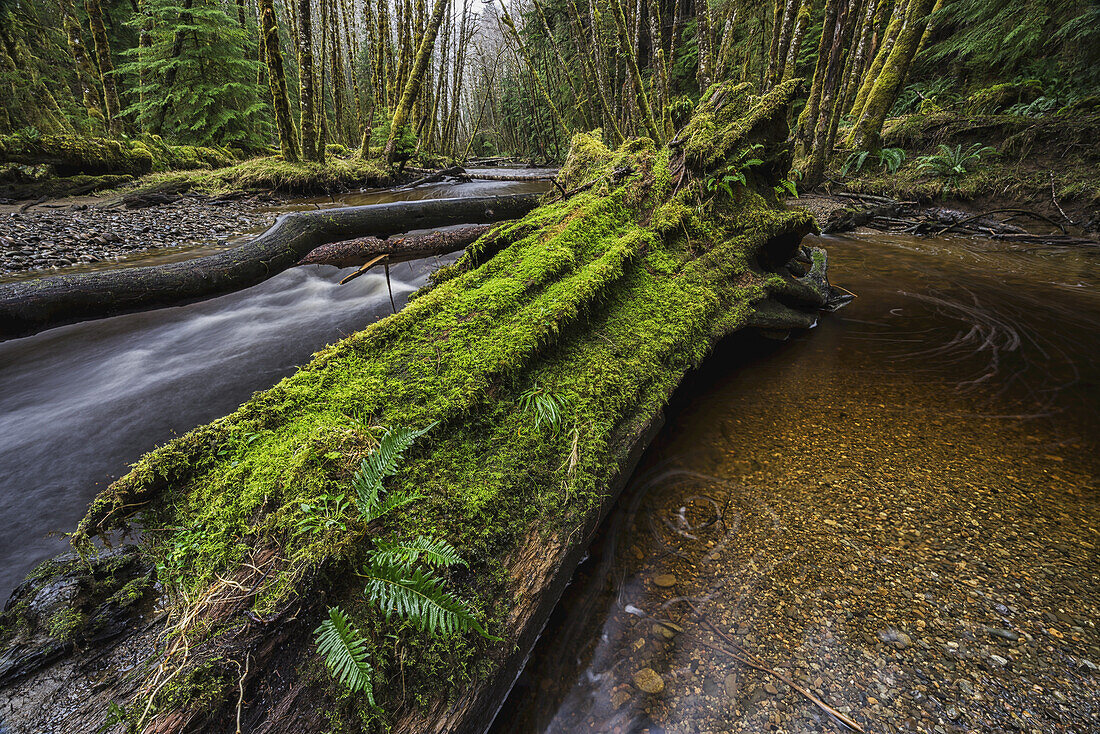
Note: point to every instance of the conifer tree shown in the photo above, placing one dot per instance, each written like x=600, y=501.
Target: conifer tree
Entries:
x=199, y=80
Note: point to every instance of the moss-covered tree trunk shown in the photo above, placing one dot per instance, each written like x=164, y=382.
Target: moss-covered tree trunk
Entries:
x=416, y=78
x=644, y=110
x=807, y=121
x=105, y=64
x=885, y=46
x=601, y=301
x=866, y=132
x=800, y=26
x=85, y=70
x=276, y=79
x=307, y=99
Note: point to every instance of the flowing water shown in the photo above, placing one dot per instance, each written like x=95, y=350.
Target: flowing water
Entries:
x=79, y=403
x=896, y=511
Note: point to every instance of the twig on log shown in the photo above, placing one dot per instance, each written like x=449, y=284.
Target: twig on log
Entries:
x=360, y=271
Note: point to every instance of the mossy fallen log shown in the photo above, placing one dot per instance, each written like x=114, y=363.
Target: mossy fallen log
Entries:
x=601, y=302
x=29, y=306
x=69, y=155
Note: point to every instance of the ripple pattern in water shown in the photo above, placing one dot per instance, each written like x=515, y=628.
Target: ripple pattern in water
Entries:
x=897, y=511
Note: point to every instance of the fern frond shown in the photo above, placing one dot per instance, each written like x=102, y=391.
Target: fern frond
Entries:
x=391, y=502
x=345, y=652
x=419, y=597
x=435, y=552
x=382, y=463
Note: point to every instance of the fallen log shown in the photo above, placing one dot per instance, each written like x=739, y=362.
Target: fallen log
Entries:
x=600, y=303
x=347, y=253
x=30, y=306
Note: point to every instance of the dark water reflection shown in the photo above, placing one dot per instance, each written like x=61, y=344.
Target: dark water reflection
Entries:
x=898, y=510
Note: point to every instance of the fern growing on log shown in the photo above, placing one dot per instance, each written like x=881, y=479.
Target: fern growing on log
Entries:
x=345, y=652
x=437, y=553
x=400, y=589
x=382, y=463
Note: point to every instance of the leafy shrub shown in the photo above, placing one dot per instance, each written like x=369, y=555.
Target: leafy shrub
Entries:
x=951, y=164
x=889, y=159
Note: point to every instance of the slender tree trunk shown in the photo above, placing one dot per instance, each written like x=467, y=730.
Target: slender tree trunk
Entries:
x=306, y=86
x=807, y=121
x=85, y=70
x=820, y=150
x=644, y=109
x=897, y=20
x=276, y=79
x=866, y=31
x=705, y=75
x=106, y=66
x=416, y=77
x=865, y=133
x=800, y=26
x=778, y=58
x=536, y=81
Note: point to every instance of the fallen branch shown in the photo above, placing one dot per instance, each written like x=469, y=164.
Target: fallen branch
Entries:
x=1026, y=212
x=346, y=253
x=27, y=307
x=366, y=266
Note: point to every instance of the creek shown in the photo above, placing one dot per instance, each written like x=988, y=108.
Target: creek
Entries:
x=897, y=510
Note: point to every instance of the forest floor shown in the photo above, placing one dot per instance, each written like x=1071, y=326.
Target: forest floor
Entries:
x=1047, y=165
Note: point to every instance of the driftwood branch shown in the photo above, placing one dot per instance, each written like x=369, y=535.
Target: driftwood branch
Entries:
x=27, y=307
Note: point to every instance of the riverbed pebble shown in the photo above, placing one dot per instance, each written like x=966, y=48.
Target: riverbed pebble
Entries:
x=46, y=238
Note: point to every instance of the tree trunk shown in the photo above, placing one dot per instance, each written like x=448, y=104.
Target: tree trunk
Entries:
x=800, y=26
x=416, y=78
x=596, y=318
x=705, y=73
x=106, y=66
x=889, y=37
x=807, y=121
x=820, y=150
x=307, y=101
x=170, y=72
x=777, y=60
x=27, y=307
x=636, y=77
x=867, y=130
x=85, y=70
x=276, y=79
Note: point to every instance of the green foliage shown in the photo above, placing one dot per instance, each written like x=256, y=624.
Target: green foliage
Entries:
x=544, y=405
x=116, y=715
x=405, y=141
x=889, y=159
x=951, y=164
x=206, y=94
x=345, y=652
x=327, y=512
x=400, y=589
x=435, y=552
x=379, y=464
x=735, y=172
x=680, y=108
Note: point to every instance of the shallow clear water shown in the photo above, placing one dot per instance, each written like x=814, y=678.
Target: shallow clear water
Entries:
x=898, y=511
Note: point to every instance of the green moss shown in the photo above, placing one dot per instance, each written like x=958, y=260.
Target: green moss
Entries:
x=999, y=97
x=594, y=298
x=64, y=625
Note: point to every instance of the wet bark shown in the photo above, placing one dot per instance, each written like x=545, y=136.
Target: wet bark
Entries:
x=106, y=66
x=27, y=307
x=312, y=148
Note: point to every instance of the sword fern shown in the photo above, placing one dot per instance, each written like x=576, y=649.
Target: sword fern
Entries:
x=345, y=652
